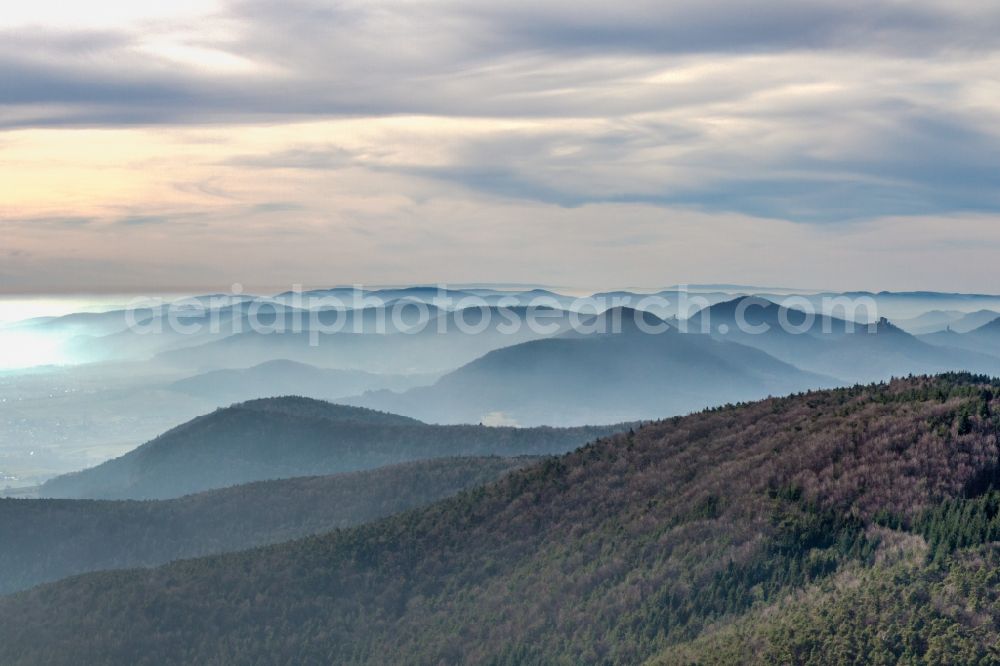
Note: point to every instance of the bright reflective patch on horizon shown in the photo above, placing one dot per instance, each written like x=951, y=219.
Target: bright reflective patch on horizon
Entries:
x=23, y=349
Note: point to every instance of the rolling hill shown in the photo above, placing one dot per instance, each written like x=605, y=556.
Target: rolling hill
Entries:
x=835, y=347
x=972, y=320
x=984, y=339
x=444, y=341
x=643, y=546
x=169, y=330
x=283, y=377
x=936, y=321
x=929, y=322
x=588, y=375
x=44, y=540
x=287, y=437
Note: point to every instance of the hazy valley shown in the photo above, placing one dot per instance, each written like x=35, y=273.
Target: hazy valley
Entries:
x=516, y=482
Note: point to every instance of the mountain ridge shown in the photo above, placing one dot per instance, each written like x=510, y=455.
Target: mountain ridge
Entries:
x=47, y=539
x=590, y=374
x=272, y=438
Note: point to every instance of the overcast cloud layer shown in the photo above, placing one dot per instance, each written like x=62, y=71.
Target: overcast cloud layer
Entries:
x=843, y=143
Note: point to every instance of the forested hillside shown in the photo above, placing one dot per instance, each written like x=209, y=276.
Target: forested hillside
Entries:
x=44, y=540
x=639, y=546
x=902, y=610
x=286, y=437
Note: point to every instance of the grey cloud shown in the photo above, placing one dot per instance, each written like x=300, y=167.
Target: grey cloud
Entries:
x=142, y=220
x=720, y=26
x=922, y=162
x=80, y=44
x=561, y=60
x=457, y=29
x=450, y=58
x=55, y=222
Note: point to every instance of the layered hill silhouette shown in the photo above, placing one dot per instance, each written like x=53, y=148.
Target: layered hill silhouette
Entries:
x=168, y=330
x=972, y=320
x=621, y=365
x=293, y=436
x=832, y=346
x=283, y=377
x=936, y=321
x=984, y=339
x=44, y=540
x=443, y=340
x=644, y=545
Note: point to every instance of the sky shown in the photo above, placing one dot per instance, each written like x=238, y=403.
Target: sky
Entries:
x=174, y=146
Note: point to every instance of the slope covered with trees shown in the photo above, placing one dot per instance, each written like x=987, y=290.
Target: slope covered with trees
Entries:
x=627, y=549
x=286, y=437
x=44, y=540
x=902, y=610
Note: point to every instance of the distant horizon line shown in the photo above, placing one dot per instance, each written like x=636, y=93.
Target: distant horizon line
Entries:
x=565, y=290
